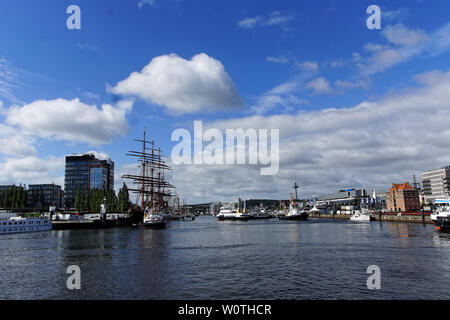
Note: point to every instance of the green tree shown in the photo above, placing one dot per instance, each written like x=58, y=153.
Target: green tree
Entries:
x=78, y=200
x=124, y=199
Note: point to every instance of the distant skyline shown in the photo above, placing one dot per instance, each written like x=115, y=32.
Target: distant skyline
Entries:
x=356, y=108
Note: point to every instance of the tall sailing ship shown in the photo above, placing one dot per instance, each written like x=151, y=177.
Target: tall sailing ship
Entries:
x=150, y=185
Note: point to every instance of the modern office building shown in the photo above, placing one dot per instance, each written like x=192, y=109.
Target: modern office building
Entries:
x=43, y=196
x=402, y=198
x=85, y=171
x=436, y=184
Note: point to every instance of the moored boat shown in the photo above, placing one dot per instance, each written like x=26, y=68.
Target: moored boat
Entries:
x=296, y=210
x=441, y=216
x=13, y=223
x=231, y=213
x=362, y=215
x=154, y=220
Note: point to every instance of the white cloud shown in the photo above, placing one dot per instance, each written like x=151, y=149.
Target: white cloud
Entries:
x=319, y=85
x=282, y=103
x=142, y=3
x=337, y=63
x=9, y=81
x=405, y=44
x=14, y=143
x=99, y=155
x=276, y=18
x=249, y=23
x=71, y=120
x=308, y=66
x=351, y=85
x=86, y=46
x=32, y=170
x=183, y=86
x=400, y=35
x=279, y=59
x=372, y=144
x=399, y=14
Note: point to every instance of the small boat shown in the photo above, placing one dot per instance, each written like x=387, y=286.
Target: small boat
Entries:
x=13, y=223
x=362, y=215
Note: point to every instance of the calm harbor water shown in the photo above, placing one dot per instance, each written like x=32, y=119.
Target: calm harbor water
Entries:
x=207, y=259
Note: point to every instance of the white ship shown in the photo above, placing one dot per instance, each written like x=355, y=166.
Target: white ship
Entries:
x=362, y=215
x=12, y=223
x=154, y=219
x=442, y=211
x=441, y=217
x=231, y=213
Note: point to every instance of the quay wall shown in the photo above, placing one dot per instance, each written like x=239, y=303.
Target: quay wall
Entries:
x=384, y=217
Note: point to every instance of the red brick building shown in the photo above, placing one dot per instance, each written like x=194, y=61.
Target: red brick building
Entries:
x=402, y=198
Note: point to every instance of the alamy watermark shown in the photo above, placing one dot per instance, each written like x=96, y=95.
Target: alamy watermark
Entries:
x=374, y=20
x=236, y=146
x=374, y=280
x=74, y=20
x=74, y=280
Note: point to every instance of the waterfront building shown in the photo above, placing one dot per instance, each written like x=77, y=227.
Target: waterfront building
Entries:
x=86, y=172
x=402, y=198
x=345, y=197
x=355, y=198
x=43, y=196
x=436, y=184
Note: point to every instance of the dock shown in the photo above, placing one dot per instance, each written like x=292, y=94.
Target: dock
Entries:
x=405, y=218
x=73, y=224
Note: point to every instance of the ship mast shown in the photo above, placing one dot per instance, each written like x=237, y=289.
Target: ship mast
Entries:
x=155, y=187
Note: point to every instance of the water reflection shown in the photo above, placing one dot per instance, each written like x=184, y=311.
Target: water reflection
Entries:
x=207, y=259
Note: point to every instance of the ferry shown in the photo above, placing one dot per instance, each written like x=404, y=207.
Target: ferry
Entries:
x=441, y=217
x=13, y=223
x=227, y=213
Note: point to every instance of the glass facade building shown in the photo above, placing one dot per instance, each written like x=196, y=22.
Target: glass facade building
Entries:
x=85, y=171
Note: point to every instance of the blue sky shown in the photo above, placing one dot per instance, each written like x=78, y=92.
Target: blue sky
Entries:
x=289, y=61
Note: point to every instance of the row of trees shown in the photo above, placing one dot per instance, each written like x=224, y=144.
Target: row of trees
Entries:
x=14, y=197
x=90, y=200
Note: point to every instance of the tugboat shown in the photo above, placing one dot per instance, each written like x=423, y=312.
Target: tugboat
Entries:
x=296, y=210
